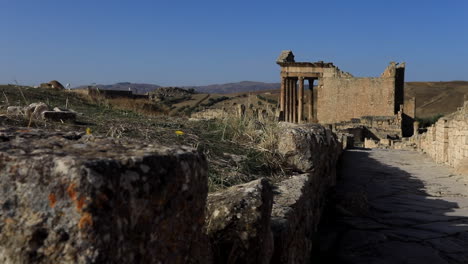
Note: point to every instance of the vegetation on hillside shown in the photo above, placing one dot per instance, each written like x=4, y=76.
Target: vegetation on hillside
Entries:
x=237, y=150
x=428, y=121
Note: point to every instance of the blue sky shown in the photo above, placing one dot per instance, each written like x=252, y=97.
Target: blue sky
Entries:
x=205, y=42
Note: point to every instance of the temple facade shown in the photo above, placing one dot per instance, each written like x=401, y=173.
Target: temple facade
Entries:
x=335, y=96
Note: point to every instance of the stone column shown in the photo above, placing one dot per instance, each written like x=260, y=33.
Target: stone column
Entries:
x=300, y=100
x=286, y=100
x=311, y=101
x=282, y=94
x=291, y=100
x=294, y=101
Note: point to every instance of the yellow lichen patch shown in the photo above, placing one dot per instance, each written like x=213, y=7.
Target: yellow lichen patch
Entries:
x=86, y=220
x=71, y=191
x=52, y=200
x=9, y=221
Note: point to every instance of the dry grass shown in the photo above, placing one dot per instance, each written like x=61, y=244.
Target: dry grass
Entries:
x=238, y=150
x=259, y=155
x=139, y=105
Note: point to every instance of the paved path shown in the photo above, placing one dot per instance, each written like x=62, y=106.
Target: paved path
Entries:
x=397, y=207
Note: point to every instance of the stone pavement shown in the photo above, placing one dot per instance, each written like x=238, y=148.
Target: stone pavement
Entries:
x=394, y=206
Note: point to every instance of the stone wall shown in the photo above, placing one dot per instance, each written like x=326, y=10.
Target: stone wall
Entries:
x=371, y=127
x=446, y=141
x=69, y=198
x=354, y=97
x=342, y=98
x=237, y=217
x=73, y=198
x=409, y=107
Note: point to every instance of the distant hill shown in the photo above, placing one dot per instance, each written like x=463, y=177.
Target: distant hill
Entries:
x=434, y=98
x=139, y=88
x=238, y=87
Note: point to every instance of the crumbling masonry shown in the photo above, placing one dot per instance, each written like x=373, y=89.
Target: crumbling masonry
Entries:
x=339, y=97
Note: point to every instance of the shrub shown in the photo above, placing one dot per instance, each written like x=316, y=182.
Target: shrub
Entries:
x=212, y=101
x=428, y=121
x=271, y=101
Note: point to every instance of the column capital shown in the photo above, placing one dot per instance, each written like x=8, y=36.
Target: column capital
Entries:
x=301, y=78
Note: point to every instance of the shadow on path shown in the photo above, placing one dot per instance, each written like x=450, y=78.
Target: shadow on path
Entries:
x=393, y=206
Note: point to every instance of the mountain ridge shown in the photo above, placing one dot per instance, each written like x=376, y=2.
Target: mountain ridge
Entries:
x=233, y=87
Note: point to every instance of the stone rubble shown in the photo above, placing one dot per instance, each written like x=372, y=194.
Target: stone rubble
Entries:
x=41, y=111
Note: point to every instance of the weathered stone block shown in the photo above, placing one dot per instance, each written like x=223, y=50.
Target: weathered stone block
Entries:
x=15, y=110
x=238, y=223
x=35, y=110
x=65, y=198
x=370, y=143
x=304, y=146
x=385, y=142
x=346, y=140
x=293, y=219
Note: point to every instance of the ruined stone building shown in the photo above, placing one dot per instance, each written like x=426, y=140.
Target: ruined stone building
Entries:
x=345, y=101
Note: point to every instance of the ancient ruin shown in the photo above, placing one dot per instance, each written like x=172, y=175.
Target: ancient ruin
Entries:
x=342, y=99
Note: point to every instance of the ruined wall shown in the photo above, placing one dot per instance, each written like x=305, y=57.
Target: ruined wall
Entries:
x=409, y=107
x=69, y=198
x=446, y=141
x=341, y=98
x=372, y=127
x=237, y=217
x=73, y=198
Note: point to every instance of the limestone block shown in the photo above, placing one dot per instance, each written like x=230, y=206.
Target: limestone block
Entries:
x=385, y=142
x=370, y=143
x=297, y=208
x=35, y=110
x=238, y=223
x=68, y=198
x=346, y=140
x=15, y=110
x=306, y=146
x=209, y=114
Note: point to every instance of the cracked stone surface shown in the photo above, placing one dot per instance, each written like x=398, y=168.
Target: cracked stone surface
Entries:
x=73, y=198
x=395, y=206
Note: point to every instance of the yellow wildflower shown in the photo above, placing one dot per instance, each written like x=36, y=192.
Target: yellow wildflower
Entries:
x=179, y=133
x=88, y=131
